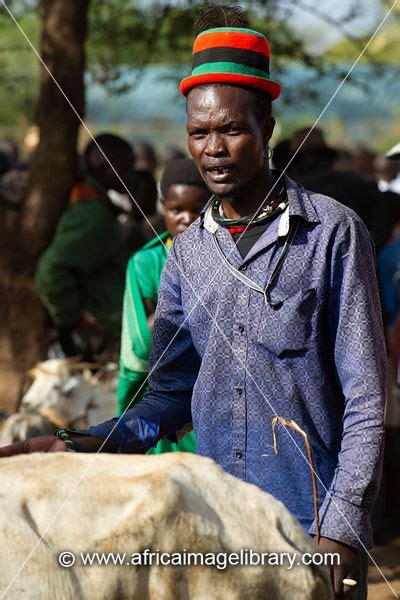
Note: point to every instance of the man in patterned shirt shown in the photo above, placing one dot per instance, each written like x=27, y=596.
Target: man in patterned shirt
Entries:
x=268, y=307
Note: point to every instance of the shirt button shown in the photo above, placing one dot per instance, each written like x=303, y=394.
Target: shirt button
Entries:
x=241, y=328
x=239, y=391
x=238, y=454
x=243, y=268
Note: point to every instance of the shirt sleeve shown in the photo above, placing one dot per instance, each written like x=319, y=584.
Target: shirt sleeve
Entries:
x=143, y=265
x=135, y=335
x=174, y=366
x=356, y=330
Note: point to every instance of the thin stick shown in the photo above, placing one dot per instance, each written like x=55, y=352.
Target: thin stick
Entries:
x=294, y=426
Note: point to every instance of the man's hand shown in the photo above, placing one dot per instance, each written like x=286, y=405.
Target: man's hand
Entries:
x=43, y=443
x=348, y=568
x=51, y=443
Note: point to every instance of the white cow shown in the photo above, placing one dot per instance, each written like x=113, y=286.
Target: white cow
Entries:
x=173, y=503
x=64, y=393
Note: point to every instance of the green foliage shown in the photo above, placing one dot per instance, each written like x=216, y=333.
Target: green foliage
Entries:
x=132, y=33
x=384, y=49
x=135, y=33
x=122, y=34
x=18, y=70
x=128, y=33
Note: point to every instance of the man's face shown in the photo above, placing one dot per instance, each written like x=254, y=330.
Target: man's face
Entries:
x=182, y=205
x=224, y=137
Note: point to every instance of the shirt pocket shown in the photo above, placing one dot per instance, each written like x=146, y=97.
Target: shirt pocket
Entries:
x=286, y=328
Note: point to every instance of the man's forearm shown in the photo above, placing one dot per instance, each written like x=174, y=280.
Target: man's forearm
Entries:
x=345, y=515
x=174, y=366
x=140, y=428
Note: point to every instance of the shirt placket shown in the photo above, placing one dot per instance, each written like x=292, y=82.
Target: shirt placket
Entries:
x=243, y=335
x=240, y=349
x=244, y=323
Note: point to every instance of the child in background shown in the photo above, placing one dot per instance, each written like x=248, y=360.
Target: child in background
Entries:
x=183, y=195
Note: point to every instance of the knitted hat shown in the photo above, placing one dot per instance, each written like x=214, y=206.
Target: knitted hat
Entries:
x=231, y=55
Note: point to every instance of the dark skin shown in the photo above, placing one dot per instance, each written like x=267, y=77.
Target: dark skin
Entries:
x=181, y=206
x=223, y=131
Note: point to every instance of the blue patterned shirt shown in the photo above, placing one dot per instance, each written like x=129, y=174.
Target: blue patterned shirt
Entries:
x=224, y=358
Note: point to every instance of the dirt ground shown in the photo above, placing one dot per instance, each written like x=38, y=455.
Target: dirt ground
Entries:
x=388, y=560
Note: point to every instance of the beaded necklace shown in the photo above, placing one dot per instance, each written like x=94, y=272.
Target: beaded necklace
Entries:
x=272, y=209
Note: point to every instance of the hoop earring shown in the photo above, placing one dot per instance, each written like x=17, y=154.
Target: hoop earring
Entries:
x=268, y=152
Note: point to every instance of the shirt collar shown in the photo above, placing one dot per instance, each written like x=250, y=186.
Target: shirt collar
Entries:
x=299, y=205
x=299, y=202
x=206, y=219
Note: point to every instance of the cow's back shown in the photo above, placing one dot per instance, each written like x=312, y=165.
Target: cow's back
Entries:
x=125, y=504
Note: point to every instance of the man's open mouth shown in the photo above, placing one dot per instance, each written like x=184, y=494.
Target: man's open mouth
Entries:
x=219, y=174
x=219, y=170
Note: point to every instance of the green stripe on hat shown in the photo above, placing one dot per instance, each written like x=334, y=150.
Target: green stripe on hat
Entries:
x=229, y=67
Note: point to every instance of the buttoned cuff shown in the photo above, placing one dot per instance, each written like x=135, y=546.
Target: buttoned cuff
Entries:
x=136, y=435
x=344, y=522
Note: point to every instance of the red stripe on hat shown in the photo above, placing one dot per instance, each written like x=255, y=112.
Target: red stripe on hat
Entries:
x=272, y=87
x=229, y=39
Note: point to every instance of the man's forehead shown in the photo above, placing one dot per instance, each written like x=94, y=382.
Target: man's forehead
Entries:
x=218, y=94
x=222, y=102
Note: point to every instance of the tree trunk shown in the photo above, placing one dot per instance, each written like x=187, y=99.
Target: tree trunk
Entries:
x=23, y=322
x=54, y=165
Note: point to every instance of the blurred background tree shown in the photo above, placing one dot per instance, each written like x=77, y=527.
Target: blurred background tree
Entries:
x=25, y=234
x=19, y=72
x=136, y=33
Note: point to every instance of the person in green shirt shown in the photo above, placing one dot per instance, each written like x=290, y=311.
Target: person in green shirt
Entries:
x=80, y=277
x=183, y=195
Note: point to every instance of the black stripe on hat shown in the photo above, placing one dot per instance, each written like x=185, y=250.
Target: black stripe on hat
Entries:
x=240, y=56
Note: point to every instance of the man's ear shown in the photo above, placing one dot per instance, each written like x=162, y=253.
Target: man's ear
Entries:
x=269, y=129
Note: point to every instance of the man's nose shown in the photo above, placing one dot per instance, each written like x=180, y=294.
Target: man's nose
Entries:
x=215, y=145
